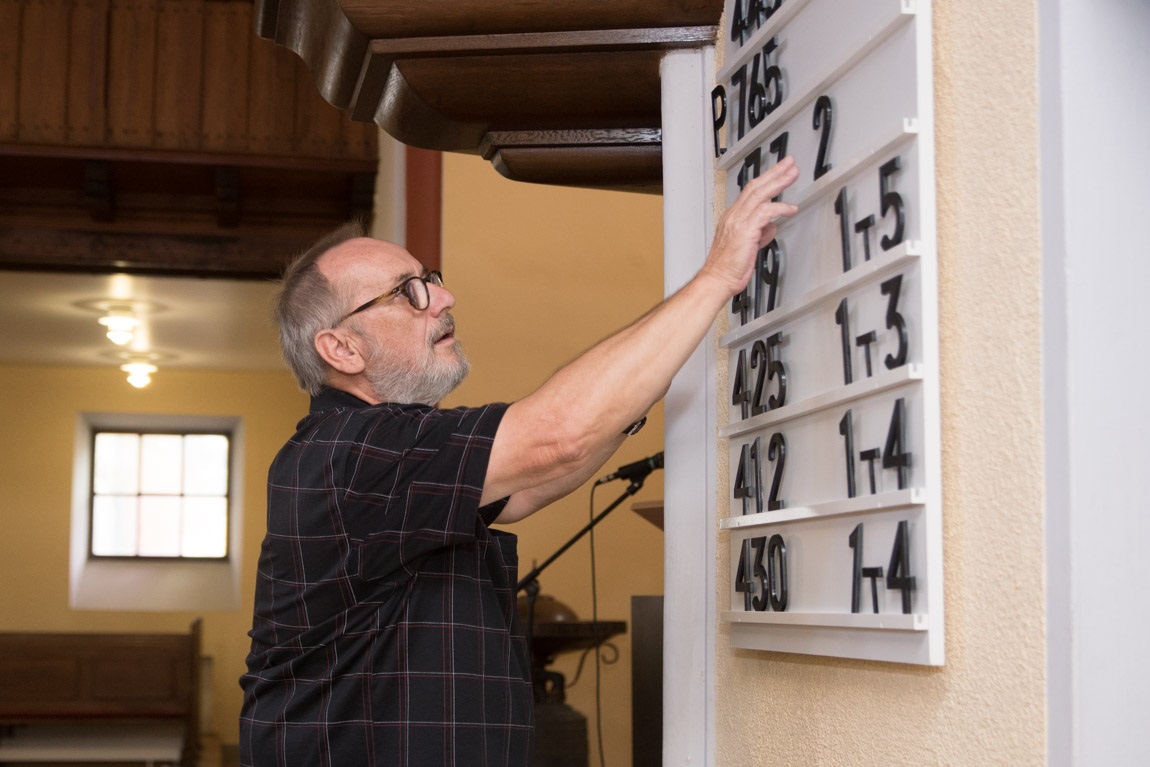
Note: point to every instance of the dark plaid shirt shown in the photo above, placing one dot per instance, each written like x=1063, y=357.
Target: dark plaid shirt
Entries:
x=385, y=629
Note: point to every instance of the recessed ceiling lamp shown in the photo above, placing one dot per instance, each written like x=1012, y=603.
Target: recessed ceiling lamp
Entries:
x=121, y=325
x=140, y=366
x=139, y=373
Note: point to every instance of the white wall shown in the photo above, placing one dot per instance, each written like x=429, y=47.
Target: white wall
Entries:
x=1094, y=72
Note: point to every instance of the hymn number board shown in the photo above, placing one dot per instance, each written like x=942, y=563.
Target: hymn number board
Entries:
x=835, y=524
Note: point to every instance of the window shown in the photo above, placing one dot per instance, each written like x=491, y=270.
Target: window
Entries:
x=157, y=512
x=159, y=495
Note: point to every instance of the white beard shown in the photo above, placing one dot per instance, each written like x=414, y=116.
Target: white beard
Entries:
x=395, y=379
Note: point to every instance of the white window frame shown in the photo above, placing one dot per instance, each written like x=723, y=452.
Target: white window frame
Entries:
x=150, y=583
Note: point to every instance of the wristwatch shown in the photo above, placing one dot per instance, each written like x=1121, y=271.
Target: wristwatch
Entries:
x=634, y=428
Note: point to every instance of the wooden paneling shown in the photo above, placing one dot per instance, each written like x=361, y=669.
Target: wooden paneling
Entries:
x=164, y=136
x=179, y=74
x=43, y=105
x=131, y=73
x=87, y=73
x=227, y=53
x=11, y=12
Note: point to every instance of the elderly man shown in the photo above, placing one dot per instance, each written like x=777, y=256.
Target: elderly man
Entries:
x=385, y=629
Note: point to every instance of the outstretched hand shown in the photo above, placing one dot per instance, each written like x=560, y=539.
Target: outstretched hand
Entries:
x=749, y=224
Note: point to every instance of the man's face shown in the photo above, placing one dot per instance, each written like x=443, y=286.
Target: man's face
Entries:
x=412, y=356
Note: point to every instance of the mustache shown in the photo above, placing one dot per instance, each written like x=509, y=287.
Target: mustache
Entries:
x=445, y=327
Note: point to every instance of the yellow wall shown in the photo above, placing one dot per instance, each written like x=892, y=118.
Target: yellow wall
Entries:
x=540, y=274
x=39, y=410
x=987, y=704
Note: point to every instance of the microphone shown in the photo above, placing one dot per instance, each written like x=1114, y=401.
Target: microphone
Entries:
x=635, y=471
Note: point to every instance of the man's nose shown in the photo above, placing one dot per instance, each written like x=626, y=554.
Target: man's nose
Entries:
x=441, y=299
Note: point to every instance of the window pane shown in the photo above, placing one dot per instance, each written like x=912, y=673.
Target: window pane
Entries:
x=114, y=526
x=205, y=527
x=116, y=463
x=161, y=464
x=159, y=526
x=206, y=464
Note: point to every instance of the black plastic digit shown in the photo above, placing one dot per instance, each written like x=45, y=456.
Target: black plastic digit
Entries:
x=891, y=200
x=842, y=319
x=895, y=321
x=778, y=147
x=752, y=164
x=895, y=455
x=776, y=452
x=777, y=572
x=844, y=227
x=744, y=578
x=772, y=78
x=762, y=575
x=739, y=78
x=846, y=428
x=759, y=360
x=822, y=121
x=898, y=575
x=740, y=394
x=767, y=268
x=856, y=542
x=776, y=369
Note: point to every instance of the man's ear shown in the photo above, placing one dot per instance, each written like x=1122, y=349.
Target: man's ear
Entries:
x=341, y=350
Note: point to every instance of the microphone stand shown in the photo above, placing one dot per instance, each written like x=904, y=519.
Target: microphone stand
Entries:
x=530, y=582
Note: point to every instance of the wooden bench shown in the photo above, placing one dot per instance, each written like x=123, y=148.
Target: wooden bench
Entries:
x=100, y=697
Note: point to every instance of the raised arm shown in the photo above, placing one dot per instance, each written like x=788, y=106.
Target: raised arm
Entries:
x=554, y=439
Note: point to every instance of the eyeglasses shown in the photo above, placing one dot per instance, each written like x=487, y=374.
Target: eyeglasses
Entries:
x=414, y=289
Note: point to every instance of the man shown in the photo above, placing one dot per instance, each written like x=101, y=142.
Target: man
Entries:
x=385, y=628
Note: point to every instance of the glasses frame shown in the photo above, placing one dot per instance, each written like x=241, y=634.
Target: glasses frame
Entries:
x=434, y=277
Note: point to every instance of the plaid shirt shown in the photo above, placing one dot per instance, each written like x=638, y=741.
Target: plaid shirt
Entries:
x=385, y=628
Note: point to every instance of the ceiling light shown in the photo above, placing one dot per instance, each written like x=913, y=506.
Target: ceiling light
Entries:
x=121, y=326
x=139, y=373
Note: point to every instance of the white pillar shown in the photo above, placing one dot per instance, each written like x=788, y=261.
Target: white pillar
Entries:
x=689, y=497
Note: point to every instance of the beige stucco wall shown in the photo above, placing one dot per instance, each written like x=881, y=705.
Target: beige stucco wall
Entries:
x=987, y=704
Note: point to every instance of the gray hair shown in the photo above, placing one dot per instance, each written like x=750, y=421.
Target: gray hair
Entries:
x=308, y=303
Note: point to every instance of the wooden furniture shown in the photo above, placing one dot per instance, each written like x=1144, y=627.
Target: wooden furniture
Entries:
x=100, y=697
x=549, y=92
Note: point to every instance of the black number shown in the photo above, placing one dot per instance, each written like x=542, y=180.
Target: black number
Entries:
x=891, y=200
x=898, y=575
x=759, y=360
x=749, y=15
x=894, y=456
x=776, y=369
x=751, y=166
x=895, y=321
x=776, y=452
x=744, y=578
x=740, y=394
x=767, y=267
x=741, y=305
x=856, y=543
x=779, y=147
x=772, y=82
x=842, y=319
x=764, y=574
x=844, y=227
x=739, y=78
x=822, y=123
x=718, y=116
x=846, y=428
x=777, y=572
x=747, y=485
x=761, y=603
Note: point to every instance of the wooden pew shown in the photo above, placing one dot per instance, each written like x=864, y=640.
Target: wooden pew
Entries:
x=100, y=697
